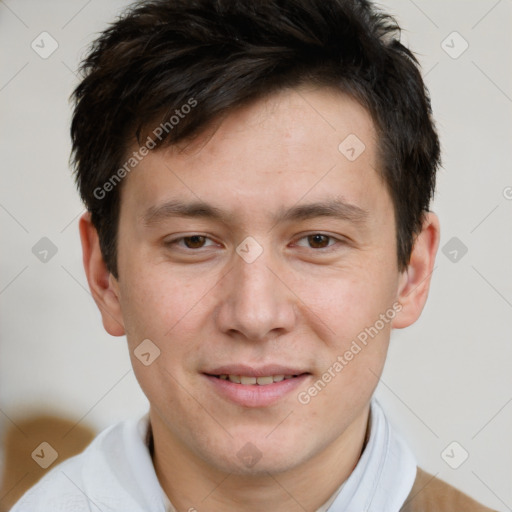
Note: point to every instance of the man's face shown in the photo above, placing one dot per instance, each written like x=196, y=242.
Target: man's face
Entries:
x=281, y=302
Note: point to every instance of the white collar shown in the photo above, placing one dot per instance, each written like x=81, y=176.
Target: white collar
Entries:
x=385, y=473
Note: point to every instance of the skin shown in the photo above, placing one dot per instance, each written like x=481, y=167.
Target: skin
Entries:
x=297, y=304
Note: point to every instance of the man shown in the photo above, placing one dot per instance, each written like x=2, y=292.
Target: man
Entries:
x=258, y=178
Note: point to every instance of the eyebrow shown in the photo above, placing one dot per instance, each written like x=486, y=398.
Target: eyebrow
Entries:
x=336, y=208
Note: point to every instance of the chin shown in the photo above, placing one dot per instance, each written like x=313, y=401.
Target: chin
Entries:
x=258, y=456
x=261, y=467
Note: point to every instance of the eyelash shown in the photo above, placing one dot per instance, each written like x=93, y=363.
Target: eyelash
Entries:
x=322, y=249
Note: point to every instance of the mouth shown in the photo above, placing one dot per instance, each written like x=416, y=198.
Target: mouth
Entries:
x=255, y=387
x=247, y=380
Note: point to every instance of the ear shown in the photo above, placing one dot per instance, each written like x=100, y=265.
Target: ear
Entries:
x=103, y=285
x=415, y=280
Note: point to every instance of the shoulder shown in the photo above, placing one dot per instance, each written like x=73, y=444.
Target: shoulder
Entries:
x=76, y=483
x=59, y=490
x=430, y=494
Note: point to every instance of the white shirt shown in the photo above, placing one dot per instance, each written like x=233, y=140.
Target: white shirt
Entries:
x=115, y=473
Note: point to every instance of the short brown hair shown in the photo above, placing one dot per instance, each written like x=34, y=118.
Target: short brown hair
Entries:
x=161, y=54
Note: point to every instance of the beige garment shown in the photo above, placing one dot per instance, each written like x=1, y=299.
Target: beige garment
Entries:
x=430, y=494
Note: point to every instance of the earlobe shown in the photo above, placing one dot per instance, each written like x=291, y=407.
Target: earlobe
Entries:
x=415, y=280
x=104, y=287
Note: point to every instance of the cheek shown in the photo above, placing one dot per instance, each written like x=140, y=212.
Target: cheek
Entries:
x=170, y=310
x=347, y=378
x=346, y=303
x=156, y=302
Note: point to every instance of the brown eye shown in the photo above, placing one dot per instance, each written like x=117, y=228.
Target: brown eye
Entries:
x=318, y=241
x=194, y=242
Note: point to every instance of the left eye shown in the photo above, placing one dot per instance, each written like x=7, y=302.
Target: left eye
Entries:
x=319, y=241
x=190, y=242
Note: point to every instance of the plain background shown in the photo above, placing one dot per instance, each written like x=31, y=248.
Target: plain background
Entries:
x=447, y=378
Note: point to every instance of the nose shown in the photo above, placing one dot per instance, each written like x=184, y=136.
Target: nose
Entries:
x=256, y=302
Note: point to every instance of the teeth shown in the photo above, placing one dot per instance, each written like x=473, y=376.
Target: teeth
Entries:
x=263, y=381
x=251, y=381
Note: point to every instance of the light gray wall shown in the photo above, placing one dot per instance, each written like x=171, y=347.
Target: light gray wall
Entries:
x=448, y=377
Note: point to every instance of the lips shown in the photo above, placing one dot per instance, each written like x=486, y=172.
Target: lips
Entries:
x=251, y=386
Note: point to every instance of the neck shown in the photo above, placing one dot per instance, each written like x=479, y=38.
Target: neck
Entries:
x=191, y=484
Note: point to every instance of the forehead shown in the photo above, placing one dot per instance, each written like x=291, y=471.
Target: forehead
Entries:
x=296, y=145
